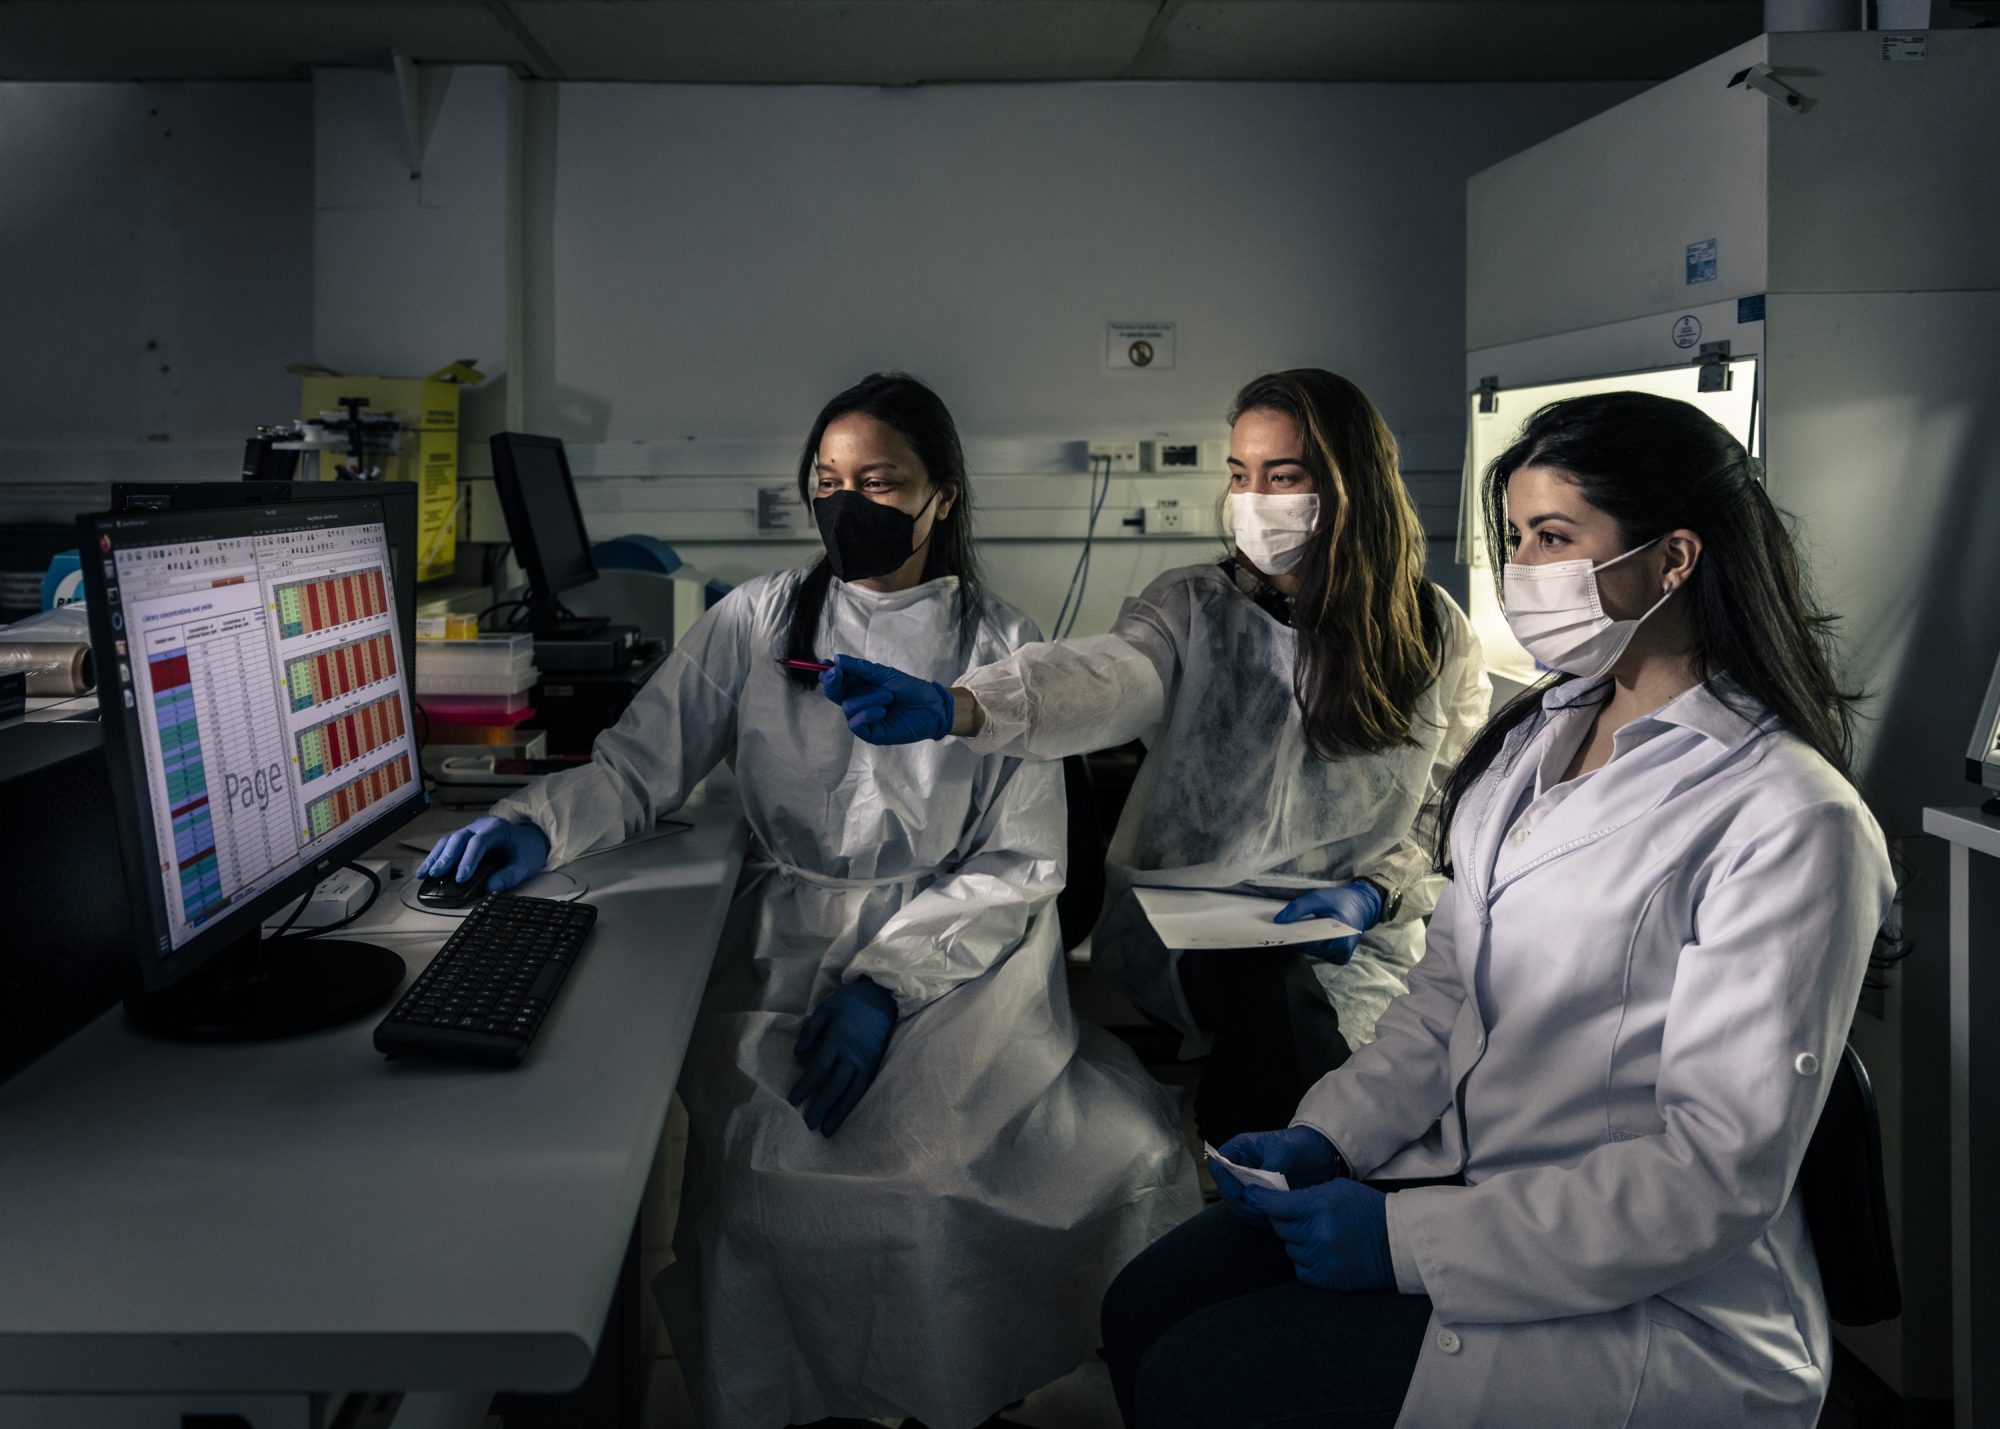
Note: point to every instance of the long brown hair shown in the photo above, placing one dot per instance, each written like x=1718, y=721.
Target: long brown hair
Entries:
x=1370, y=634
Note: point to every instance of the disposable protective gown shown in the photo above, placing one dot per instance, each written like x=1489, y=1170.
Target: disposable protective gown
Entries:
x=1634, y=995
x=946, y=1251
x=1230, y=795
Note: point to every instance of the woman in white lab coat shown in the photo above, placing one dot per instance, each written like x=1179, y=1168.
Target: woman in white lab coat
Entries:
x=1299, y=702
x=1615, y=1049
x=907, y=1184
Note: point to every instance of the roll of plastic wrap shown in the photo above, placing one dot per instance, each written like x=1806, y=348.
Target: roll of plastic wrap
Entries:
x=52, y=667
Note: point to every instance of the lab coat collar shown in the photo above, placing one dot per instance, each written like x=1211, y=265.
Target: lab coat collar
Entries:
x=1718, y=708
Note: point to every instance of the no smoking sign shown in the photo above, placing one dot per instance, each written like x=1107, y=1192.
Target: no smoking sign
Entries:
x=1138, y=347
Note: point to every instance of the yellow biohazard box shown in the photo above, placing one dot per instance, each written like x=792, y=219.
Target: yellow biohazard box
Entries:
x=415, y=425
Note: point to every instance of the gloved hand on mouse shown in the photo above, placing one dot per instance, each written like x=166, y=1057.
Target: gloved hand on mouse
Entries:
x=456, y=856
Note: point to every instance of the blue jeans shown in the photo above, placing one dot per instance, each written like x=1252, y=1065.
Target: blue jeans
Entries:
x=1210, y=1326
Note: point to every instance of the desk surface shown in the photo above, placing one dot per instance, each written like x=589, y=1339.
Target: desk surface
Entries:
x=307, y=1215
x=1972, y=827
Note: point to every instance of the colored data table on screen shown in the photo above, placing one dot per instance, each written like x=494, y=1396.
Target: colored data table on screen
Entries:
x=187, y=783
x=308, y=606
x=324, y=815
x=317, y=679
x=338, y=742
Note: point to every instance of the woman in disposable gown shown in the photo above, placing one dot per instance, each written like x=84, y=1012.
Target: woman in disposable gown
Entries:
x=1618, y=1042
x=1299, y=701
x=907, y=1182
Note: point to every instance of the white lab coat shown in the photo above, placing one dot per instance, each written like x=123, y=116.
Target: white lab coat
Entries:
x=1230, y=796
x=946, y=1251
x=1632, y=998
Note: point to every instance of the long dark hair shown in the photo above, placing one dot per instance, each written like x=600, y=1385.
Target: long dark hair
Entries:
x=921, y=419
x=1656, y=465
x=1369, y=633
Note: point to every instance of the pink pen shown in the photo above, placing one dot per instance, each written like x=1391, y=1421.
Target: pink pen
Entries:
x=818, y=667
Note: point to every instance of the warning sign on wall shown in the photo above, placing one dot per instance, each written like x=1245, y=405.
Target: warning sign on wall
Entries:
x=1130, y=347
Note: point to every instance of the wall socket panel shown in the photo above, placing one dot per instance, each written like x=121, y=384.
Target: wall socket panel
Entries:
x=1185, y=454
x=1123, y=456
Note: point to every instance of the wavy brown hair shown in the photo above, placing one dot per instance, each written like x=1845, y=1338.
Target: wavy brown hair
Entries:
x=1370, y=632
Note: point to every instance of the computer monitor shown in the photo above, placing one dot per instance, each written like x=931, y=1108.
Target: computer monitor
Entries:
x=399, y=504
x=538, y=498
x=258, y=733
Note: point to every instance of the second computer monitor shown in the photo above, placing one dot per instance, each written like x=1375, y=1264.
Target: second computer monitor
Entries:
x=538, y=497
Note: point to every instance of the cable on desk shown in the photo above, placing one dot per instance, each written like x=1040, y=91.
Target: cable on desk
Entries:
x=520, y=606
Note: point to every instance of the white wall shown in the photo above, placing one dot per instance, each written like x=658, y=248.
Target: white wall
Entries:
x=704, y=267
x=715, y=262
x=156, y=242
x=411, y=264
x=676, y=277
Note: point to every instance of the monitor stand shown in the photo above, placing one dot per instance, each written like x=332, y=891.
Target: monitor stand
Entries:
x=260, y=988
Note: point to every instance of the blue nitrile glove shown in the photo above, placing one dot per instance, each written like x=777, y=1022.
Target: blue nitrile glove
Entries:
x=1298, y=1153
x=1337, y=1233
x=842, y=1046
x=456, y=855
x=885, y=706
x=1357, y=904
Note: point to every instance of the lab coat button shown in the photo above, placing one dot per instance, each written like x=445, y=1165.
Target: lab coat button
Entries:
x=1449, y=1342
x=1806, y=1064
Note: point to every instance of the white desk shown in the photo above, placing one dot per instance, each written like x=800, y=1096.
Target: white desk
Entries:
x=304, y=1215
x=1973, y=1341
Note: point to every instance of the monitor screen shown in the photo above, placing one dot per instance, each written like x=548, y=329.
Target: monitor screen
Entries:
x=398, y=500
x=261, y=690
x=543, y=517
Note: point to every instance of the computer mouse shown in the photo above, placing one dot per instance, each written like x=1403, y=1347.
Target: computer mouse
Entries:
x=444, y=893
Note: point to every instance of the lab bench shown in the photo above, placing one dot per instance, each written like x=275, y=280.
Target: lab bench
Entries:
x=258, y=1229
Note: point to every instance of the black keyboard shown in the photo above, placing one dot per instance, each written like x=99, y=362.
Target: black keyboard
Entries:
x=485, y=993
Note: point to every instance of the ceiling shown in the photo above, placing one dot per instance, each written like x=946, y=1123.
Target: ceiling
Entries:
x=883, y=41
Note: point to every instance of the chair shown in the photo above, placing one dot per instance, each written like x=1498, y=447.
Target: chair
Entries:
x=1078, y=905
x=1846, y=1207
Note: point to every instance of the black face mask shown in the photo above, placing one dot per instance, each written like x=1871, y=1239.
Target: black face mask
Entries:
x=864, y=538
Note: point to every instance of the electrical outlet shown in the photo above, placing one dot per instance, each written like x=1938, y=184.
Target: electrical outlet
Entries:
x=1166, y=516
x=1123, y=456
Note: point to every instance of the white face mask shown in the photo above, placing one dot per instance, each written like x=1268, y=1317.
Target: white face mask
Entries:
x=1555, y=611
x=1272, y=531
